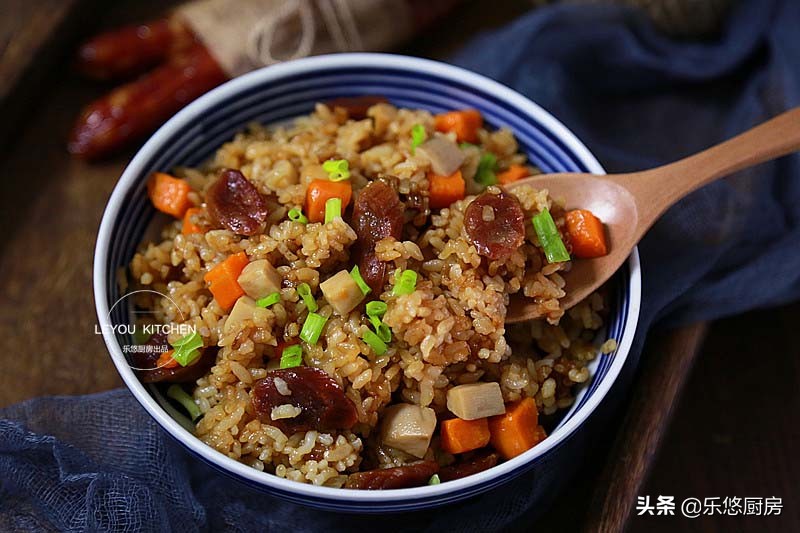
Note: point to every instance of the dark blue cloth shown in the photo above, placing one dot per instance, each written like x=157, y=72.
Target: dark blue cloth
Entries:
x=637, y=99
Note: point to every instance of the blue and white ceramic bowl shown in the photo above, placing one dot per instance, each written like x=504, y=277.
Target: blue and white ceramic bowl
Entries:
x=277, y=93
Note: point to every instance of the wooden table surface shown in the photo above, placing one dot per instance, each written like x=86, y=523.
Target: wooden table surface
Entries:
x=50, y=207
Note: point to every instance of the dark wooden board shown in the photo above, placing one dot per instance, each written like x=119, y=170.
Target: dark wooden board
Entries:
x=32, y=38
x=735, y=430
x=664, y=370
x=50, y=207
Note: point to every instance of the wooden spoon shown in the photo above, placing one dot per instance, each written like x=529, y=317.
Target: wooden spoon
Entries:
x=629, y=204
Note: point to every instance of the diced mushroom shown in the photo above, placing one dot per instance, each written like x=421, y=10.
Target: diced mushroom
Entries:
x=476, y=400
x=342, y=292
x=408, y=428
x=445, y=155
x=472, y=158
x=245, y=308
x=259, y=279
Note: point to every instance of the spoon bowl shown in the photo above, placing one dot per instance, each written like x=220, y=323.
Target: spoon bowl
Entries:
x=629, y=204
x=609, y=201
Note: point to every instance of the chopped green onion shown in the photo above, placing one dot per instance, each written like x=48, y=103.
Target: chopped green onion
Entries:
x=292, y=356
x=550, y=239
x=464, y=146
x=192, y=338
x=381, y=328
x=177, y=393
x=406, y=283
x=337, y=169
x=418, y=136
x=312, y=328
x=485, y=174
x=296, y=215
x=434, y=480
x=304, y=290
x=375, y=342
x=270, y=299
x=333, y=209
x=385, y=332
x=376, y=308
x=187, y=348
x=185, y=357
x=375, y=321
x=356, y=275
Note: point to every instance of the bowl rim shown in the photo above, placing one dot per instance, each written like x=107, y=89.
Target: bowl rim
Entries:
x=133, y=172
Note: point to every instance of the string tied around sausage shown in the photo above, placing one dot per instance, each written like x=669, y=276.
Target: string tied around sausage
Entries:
x=274, y=37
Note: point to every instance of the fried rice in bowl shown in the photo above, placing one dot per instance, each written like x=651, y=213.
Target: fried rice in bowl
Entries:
x=322, y=253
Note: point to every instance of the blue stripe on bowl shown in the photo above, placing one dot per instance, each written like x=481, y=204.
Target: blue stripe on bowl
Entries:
x=295, y=95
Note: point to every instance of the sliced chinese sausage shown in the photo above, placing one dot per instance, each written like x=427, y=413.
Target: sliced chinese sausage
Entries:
x=466, y=468
x=372, y=269
x=356, y=106
x=495, y=224
x=400, y=477
x=377, y=214
x=183, y=374
x=235, y=204
x=322, y=402
x=417, y=208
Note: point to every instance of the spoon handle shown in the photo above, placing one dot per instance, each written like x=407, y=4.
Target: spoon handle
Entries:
x=657, y=189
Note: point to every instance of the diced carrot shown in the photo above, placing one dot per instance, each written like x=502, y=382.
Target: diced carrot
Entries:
x=320, y=191
x=190, y=227
x=586, y=233
x=514, y=173
x=222, y=280
x=464, y=123
x=459, y=436
x=444, y=190
x=169, y=195
x=165, y=360
x=517, y=430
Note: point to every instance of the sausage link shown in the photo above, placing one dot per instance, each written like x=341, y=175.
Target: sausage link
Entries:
x=130, y=50
x=137, y=108
x=400, y=477
x=479, y=463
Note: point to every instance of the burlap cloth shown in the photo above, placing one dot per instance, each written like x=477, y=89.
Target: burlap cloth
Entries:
x=246, y=34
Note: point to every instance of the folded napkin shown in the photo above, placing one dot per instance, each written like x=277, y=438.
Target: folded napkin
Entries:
x=637, y=99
